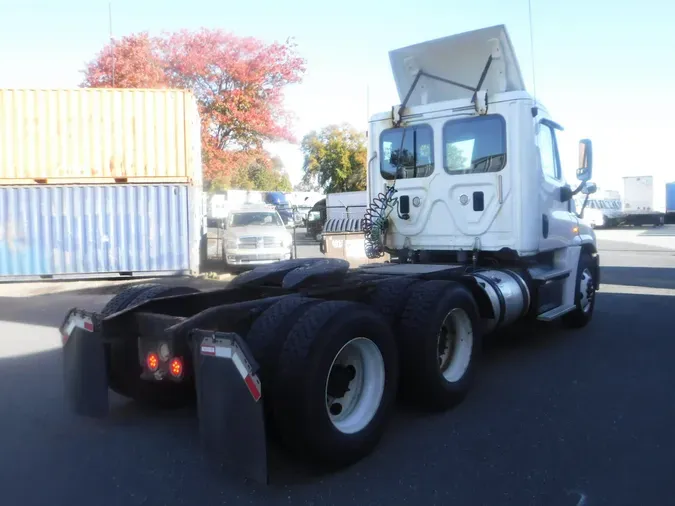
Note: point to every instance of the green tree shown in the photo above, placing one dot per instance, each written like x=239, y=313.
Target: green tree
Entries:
x=454, y=158
x=335, y=159
x=258, y=173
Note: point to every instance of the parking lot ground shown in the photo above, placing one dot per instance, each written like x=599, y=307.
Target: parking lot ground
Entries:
x=555, y=418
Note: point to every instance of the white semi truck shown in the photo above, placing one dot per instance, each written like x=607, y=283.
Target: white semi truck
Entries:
x=466, y=197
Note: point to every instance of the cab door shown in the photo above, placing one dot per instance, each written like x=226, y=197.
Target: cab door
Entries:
x=557, y=220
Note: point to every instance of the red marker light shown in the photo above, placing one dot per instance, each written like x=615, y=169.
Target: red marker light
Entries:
x=152, y=361
x=176, y=367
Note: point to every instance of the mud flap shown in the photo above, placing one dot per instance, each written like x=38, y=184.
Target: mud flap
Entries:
x=230, y=404
x=84, y=364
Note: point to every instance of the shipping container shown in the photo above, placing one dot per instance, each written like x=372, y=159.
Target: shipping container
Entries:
x=99, y=135
x=670, y=197
x=87, y=231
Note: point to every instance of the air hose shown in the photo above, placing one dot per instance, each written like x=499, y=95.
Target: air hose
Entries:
x=375, y=222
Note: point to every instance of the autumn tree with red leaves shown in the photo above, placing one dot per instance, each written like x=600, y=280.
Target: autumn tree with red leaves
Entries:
x=239, y=84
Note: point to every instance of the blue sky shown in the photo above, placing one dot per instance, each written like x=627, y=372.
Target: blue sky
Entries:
x=601, y=67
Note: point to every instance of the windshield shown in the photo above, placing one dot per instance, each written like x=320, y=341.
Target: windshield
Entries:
x=277, y=198
x=254, y=219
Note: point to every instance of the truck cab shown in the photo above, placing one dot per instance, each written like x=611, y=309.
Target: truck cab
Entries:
x=283, y=207
x=490, y=179
x=469, y=165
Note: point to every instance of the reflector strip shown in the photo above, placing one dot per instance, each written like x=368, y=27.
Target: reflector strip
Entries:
x=253, y=387
x=239, y=365
x=238, y=359
x=76, y=321
x=208, y=350
x=216, y=351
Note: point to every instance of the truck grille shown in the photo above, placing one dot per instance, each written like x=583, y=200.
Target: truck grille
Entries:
x=259, y=242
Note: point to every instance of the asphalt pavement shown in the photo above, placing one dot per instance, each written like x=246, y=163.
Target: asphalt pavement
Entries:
x=555, y=418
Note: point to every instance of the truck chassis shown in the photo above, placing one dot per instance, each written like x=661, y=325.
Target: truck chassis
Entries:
x=307, y=349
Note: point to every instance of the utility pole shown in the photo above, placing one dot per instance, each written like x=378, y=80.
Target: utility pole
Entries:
x=112, y=42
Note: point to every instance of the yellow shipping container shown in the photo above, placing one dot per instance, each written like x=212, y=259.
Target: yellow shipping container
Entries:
x=99, y=135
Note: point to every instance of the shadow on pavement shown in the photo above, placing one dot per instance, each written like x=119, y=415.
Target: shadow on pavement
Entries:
x=667, y=231
x=648, y=277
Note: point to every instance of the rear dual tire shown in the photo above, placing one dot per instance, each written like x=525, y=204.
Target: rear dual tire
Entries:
x=440, y=342
x=301, y=343
x=335, y=382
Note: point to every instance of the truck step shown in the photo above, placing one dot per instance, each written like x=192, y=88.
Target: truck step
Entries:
x=556, y=312
x=549, y=274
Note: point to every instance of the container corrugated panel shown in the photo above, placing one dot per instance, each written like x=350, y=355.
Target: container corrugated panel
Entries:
x=85, y=231
x=670, y=197
x=98, y=135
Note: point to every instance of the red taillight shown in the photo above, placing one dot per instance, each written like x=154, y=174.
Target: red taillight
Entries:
x=176, y=367
x=152, y=361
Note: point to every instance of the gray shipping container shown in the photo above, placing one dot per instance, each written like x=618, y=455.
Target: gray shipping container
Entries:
x=89, y=231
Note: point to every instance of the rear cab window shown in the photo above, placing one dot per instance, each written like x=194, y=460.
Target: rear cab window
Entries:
x=407, y=152
x=472, y=145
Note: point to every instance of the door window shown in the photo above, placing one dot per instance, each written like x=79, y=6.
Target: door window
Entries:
x=548, y=152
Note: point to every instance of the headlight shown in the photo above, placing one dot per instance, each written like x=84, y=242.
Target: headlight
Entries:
x=232, y=244
x=287, y=241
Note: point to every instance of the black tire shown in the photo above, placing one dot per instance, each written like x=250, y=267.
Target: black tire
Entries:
x=122, y=300
x=271, y=274
x=124, y=369
x=579, y=317
x=390, y=297
x=422, y=380
x=325, y=272
x=307, y=356
x=159, y=291
x=269, y=331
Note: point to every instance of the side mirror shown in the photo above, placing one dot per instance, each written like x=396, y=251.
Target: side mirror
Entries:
x=589, y=189
x=585, y=170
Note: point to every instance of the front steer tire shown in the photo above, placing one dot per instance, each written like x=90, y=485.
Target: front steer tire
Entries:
x=582, y=313
x=300, y=404
x=428, y=309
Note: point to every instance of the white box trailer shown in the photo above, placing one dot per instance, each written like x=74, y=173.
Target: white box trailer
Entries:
x=346, y=205
x=641, y=205
x=221, y=203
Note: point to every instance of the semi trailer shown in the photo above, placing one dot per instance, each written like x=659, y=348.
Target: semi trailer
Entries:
x=470, y=208
x=642, y=204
